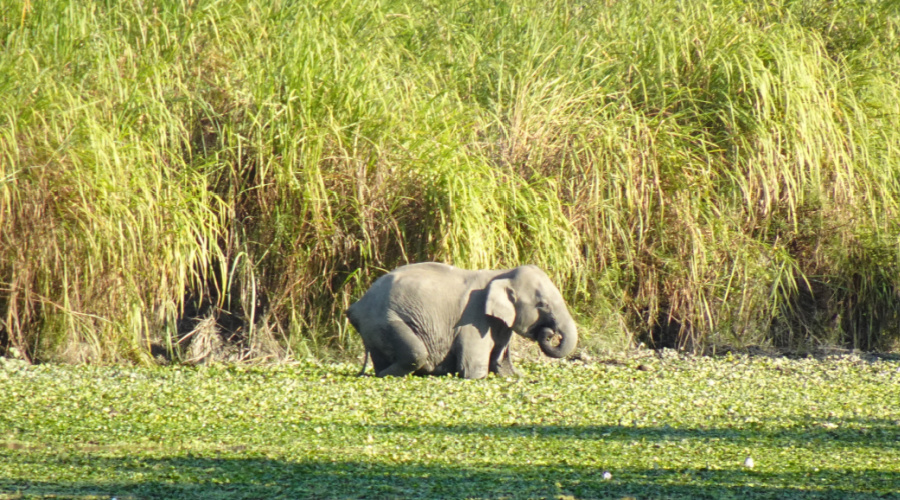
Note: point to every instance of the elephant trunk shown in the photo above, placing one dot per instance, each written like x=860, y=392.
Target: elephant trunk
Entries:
x=558, y=343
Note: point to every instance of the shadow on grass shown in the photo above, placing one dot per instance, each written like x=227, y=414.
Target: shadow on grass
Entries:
x=226, y=478
x=114, y=472
x=878, y=433
x=268, y=478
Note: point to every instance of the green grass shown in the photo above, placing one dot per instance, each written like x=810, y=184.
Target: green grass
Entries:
x=663, y=427
x=692, y=173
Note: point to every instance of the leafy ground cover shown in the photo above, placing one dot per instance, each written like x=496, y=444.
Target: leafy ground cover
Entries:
x=661, y=427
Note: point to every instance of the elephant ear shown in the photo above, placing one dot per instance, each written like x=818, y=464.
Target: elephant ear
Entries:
x=499, y=303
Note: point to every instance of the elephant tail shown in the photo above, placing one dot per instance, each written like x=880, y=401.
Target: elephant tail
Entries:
x=365, y=362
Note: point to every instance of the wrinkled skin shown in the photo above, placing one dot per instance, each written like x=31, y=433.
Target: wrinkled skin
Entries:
x=435, y=319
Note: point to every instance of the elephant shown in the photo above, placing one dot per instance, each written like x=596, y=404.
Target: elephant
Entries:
x=435, y=319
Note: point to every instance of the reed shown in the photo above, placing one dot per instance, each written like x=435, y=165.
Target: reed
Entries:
x=692, y=173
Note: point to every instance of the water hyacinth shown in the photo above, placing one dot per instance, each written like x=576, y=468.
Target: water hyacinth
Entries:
x=817, y=429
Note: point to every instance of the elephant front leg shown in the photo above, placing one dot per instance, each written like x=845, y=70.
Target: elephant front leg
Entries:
x=473, y=351
x=501, y=360
x=502, y=364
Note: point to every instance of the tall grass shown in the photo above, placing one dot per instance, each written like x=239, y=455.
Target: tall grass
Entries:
x=692, y=173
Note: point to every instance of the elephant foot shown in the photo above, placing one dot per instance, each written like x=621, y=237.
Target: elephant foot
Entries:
x=508, y=372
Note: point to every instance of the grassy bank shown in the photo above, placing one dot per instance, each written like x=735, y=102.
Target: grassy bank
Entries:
x=691, y=173
x=665, y=427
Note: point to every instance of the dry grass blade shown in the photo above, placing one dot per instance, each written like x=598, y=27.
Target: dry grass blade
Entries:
x=691, y=173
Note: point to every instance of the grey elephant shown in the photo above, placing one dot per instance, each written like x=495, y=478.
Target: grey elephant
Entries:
x=436, y=319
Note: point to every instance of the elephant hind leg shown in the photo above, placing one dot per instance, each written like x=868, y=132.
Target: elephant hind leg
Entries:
x=409, y=353
x=362, y=370
x=379, y=360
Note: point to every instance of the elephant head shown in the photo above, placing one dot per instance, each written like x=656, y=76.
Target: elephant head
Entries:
x=528, y=303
